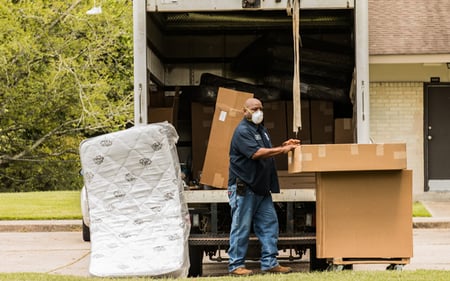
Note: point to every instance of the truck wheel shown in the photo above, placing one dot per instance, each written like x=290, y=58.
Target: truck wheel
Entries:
x=86, y=233
x=316, y=264
x=196, y=261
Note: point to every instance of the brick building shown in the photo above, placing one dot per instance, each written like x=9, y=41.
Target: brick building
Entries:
x=409, y=47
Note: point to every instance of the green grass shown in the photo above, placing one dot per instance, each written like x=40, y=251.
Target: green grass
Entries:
x=51, y=205
x=419, y=210
x=66, y=205
x=418, y=275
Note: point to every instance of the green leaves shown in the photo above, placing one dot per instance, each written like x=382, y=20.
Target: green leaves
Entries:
x=64, y=76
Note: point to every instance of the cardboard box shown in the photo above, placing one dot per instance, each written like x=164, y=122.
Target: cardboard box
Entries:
x=201, y=116
x=296, y=181
x=347, y=157
x=343, y=130
x=305, y=133
x=227, y=115
x=322, y=121
x=275, y=122
x=366, y=214
x=163, y=108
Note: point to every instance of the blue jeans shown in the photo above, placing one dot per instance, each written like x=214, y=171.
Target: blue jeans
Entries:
x=258, y=211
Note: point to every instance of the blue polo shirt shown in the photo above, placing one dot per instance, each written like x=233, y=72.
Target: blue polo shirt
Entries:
x=260, y=174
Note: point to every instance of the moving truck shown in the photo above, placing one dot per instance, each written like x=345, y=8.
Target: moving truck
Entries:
x=186, y=51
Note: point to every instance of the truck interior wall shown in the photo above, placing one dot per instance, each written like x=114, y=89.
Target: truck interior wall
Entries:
x=252, y=60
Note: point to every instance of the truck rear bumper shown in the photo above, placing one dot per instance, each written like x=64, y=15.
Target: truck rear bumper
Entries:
x=219, y=240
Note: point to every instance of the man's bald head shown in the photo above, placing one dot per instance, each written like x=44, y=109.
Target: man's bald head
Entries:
x=253, y=104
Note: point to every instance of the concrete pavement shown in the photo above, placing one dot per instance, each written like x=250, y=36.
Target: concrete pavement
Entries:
x=65, y=253
x=438, y=204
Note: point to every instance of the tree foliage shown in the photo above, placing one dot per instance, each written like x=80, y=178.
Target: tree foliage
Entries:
x=64, y=76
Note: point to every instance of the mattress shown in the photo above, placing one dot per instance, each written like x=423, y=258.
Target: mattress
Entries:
x=139, y=221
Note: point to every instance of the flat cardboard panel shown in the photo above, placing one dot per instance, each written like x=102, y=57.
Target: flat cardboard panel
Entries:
x=227, y=115
x=343, y=130
x=347, y=157
x=366, y=214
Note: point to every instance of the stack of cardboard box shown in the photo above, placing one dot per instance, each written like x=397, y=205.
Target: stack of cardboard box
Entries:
x=363, y=191
x=318, y=126
x=363, y=201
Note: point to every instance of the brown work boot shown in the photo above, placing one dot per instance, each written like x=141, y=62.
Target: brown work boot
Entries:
x=279, y=269
x=241, y=271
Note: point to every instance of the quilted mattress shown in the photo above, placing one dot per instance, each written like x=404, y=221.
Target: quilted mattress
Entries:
x=139, y=220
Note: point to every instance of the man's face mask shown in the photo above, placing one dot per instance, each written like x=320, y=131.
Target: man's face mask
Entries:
x=257, y=116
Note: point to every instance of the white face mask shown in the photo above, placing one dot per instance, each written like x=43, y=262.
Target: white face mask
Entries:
x=257, y=117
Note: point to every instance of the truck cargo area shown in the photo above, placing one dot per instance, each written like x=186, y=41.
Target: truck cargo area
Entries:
x=191, y=52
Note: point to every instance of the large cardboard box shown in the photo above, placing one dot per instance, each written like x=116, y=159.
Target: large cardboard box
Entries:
x=365, y=214
x=347, y=157
x=228, y=113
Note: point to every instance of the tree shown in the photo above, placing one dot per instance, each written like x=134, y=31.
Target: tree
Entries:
x=64, y=76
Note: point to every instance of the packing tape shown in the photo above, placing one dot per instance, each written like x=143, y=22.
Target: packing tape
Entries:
x=306, y=156
x=322, y=151
x=354, y=149
x=379, y=150
x=400, y=154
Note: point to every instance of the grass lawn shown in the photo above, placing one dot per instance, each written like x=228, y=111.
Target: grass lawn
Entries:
x=50, y=205
x=57, y=205
x=419, y=275
x=419, y=210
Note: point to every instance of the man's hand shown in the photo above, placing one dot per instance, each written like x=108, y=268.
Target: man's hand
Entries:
x=291, y=142
x=289, y=147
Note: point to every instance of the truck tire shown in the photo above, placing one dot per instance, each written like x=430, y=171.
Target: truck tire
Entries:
x=196, y=261
x=86, y=233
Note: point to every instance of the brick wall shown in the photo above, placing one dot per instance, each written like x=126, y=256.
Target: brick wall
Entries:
x=396, y=115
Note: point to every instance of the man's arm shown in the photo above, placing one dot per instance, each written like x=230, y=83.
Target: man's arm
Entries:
x=283, y=149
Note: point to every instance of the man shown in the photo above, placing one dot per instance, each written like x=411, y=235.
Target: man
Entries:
x=252, y=179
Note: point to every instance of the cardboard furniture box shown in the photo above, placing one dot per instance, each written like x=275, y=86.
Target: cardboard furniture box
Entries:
x=347, y=157
x=364, y=214
x=227, y=115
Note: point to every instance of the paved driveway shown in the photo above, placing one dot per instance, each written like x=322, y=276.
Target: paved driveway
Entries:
x=66, y=253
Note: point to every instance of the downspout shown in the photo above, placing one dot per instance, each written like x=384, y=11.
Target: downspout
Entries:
x=362, y=71
x=140, y=62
